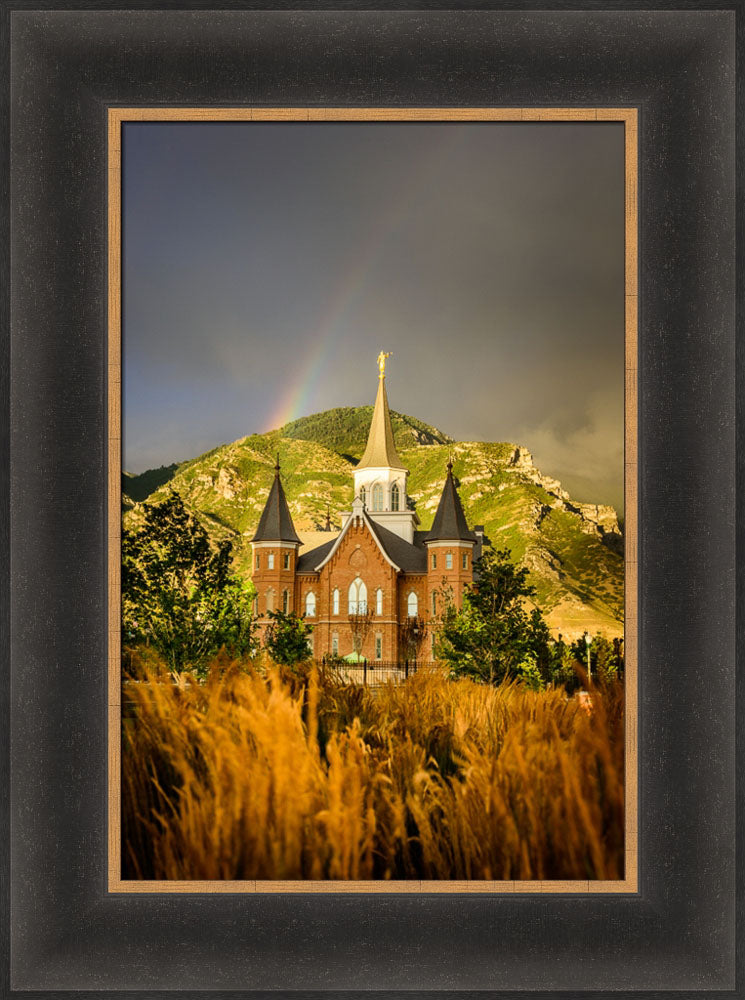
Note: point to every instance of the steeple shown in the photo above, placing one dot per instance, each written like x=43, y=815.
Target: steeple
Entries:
x=275, y=523
x=450, y=521
x=380, y=477
x=380, y=452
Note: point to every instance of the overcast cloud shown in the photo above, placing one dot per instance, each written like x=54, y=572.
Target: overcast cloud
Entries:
x=265, y=265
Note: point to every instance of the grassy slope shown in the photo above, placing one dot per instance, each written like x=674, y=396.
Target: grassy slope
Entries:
x=579, y=579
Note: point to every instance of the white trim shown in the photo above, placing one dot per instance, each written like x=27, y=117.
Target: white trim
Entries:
x=458, y=542
x=275, y=545
x=363, y=516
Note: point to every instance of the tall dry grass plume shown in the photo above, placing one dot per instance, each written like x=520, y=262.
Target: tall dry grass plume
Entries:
x=256, y=775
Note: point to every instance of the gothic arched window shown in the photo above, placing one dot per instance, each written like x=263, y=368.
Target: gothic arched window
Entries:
x=395, y=496
x=335, y=602
x=363, y=495
x=412, y=605
x=310, y=605
x=285, y=601
x=357, y=597
x=378, y=601
x=377, y=497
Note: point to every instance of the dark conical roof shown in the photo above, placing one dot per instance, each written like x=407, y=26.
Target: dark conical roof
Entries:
x=450, y=521
x=275, y=523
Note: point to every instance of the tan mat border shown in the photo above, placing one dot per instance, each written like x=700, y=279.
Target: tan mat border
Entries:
x=116, y=117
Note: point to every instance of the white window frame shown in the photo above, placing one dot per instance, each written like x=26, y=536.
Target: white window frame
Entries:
x=335, y=599
x=357, y=597
x=334, y=643
x=412, y=605
x=377, y=497
x=378, y=646
x=310, y=605
x=448, y=560
x=379, y=601
x=270, y=560
x=395, y=497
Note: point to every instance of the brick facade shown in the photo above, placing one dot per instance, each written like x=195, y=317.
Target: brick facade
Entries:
x=400, y=574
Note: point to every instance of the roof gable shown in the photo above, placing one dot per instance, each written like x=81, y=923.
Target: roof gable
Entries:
x=365, y=520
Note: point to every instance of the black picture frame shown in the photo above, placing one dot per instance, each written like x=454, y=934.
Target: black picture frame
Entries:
x=64, y=931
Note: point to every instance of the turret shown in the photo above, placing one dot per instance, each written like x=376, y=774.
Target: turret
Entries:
x=450, y=547
x=275, y=548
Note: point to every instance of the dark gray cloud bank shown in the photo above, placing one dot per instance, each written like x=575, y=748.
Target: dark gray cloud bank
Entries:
x=265, y=265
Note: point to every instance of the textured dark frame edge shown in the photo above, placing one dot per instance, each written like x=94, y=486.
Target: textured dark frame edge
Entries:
x=741, y=472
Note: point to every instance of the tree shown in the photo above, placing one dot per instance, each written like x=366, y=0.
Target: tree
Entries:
x=493, y=633
x=177, y=592
x=360, y=623
x=606, y=657
x=412, y=634
x=286, y=638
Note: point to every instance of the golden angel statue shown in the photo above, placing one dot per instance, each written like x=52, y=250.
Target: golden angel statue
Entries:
x=381, y=363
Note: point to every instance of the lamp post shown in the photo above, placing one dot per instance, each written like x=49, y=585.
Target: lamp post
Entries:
x=588, y=643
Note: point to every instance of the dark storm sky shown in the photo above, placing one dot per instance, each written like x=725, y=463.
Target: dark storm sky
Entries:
x=265, y=265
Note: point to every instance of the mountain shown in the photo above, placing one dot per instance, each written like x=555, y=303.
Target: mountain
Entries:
x=138, y=488
x=574, y=550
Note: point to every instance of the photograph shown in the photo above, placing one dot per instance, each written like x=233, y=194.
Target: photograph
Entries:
x=374, y=575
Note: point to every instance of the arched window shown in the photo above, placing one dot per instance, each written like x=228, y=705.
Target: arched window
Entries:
x=357, y=597
x=378, y=601
x=287, y=560
x=363, y=495
x=310, y=605
x=270, y=600
x=270, y=560
x=434, y=604
x=412, y=605
x=395, y=496
x=335, y=602
x=335, y=644
x=285, y=601
x=378, y=646
x=377, y=497
x=448, y=560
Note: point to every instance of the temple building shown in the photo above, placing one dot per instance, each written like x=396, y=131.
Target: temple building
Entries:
x=375, y=588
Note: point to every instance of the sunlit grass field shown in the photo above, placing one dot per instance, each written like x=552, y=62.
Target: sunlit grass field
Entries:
x=259, y=775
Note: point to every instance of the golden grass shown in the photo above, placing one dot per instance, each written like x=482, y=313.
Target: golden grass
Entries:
x=261, y=777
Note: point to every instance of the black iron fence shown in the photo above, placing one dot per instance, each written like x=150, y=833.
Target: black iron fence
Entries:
x=375, y=673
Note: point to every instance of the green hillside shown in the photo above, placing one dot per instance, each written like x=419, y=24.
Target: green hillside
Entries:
x=344, y=430
x=573, y=550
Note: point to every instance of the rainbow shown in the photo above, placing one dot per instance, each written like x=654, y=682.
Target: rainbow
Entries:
x=328, y=332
